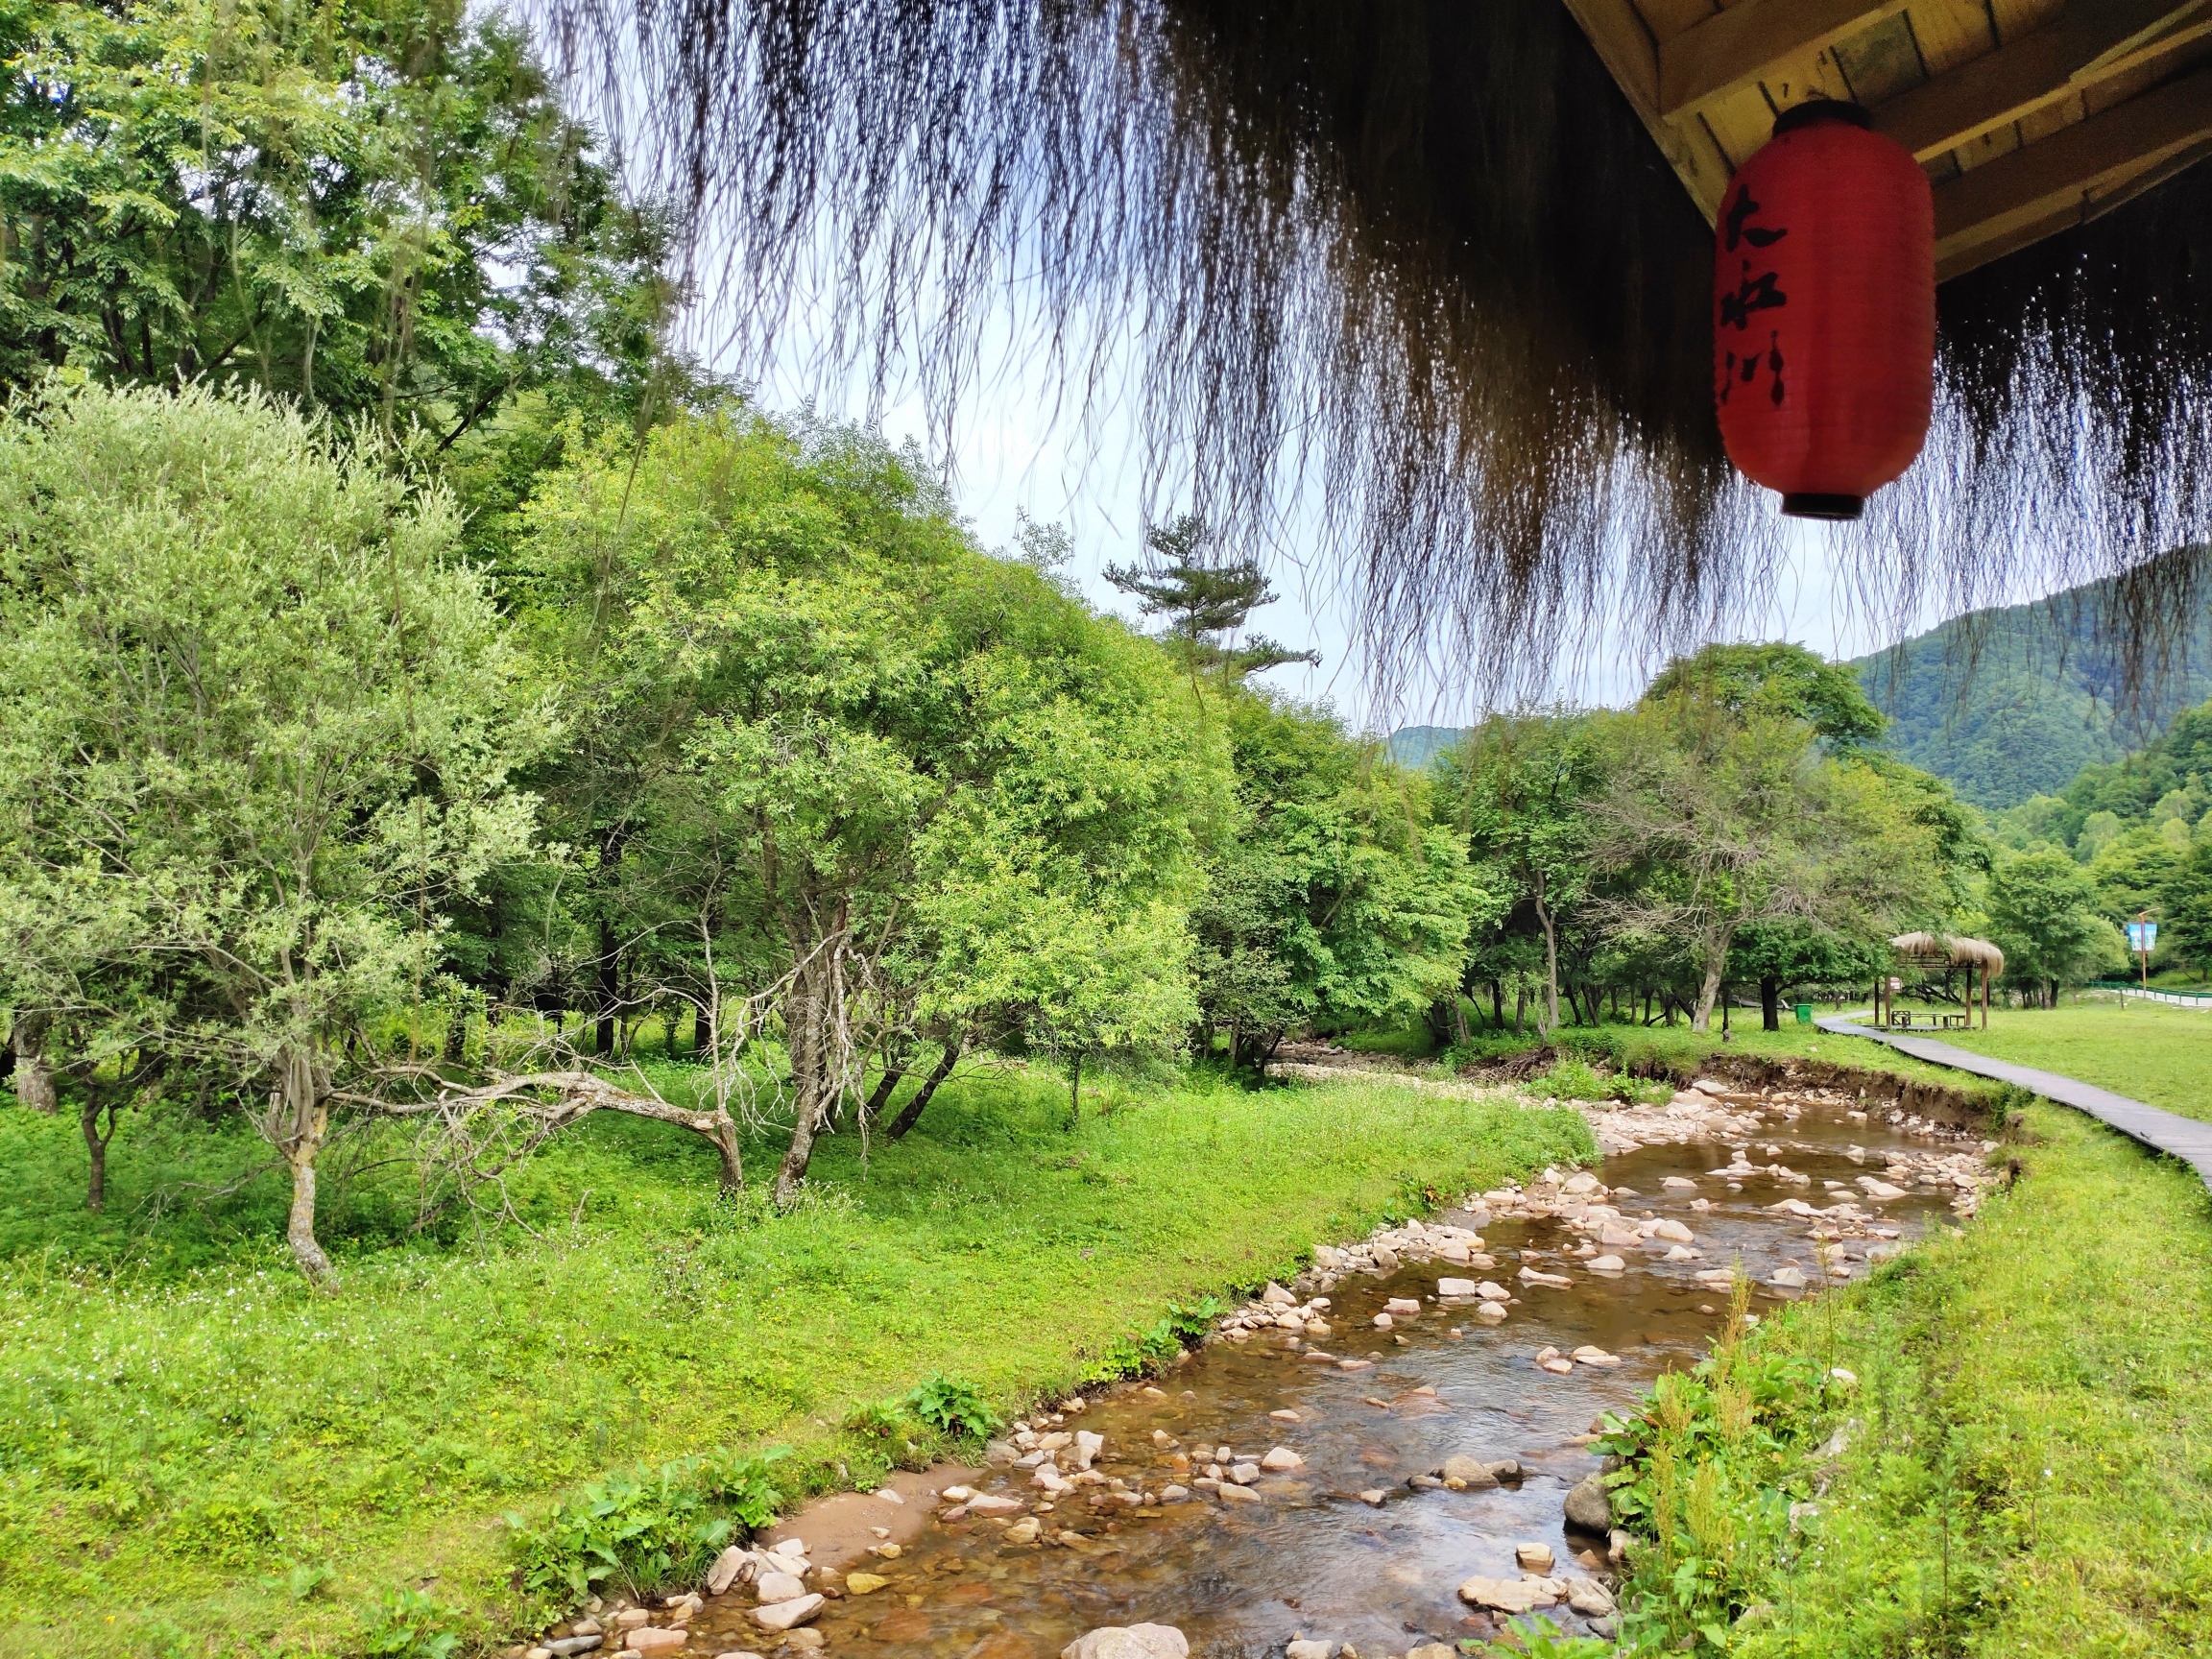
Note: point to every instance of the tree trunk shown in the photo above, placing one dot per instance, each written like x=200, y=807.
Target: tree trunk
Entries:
x=33, y=1073
x=911, y=1114
x=1519, y=1006
x=96, y=1150
x=302, y=1122
x=1075, y=1093
x=1550, y=928
x=609, y=990
x=805, y=1017
x=701, y=1023
x=457, y=1033
x=1497, y=1006
x=1770, y=1004
x=879, y=1096
x=1708, y=993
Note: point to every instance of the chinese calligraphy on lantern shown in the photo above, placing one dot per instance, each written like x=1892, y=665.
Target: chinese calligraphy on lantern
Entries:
x=1755, y=291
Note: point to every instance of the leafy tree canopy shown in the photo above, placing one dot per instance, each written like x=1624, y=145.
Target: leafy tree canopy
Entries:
x=1787, y=682
x=380, y=210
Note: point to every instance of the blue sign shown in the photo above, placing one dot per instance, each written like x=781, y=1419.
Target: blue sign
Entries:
x=2142, y=937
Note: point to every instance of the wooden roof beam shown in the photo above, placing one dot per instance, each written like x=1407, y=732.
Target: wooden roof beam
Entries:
x=2070, y=176
x=1736, y=48
x=2090, y=41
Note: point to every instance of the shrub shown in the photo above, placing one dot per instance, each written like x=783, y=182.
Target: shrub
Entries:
x=645, y=1529
x=412, y=1626
x=952, y=1407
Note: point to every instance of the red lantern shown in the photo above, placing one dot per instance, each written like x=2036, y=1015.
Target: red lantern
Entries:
x=1824, y=312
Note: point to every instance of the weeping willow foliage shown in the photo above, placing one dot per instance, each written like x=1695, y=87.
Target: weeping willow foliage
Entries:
x=1413, y=268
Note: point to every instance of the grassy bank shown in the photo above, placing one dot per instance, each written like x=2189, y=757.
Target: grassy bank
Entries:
x=199, y=1454
x=2152, y=1053
x=2029, y=1467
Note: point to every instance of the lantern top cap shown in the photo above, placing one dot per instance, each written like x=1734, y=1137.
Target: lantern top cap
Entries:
x=1815, y=111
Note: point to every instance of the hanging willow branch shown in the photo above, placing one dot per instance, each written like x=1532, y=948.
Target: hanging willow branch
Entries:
x=1414, y=273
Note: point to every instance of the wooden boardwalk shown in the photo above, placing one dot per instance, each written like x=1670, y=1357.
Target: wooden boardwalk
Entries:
x=2182, y=1137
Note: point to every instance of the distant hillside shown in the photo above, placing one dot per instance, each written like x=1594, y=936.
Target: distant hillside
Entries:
x=1415, y=746
x=2011, y=703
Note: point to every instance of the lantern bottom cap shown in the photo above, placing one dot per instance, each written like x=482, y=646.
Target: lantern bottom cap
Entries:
x=1809, y=504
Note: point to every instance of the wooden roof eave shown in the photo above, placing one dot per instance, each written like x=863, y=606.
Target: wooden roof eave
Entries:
x=2031, y=115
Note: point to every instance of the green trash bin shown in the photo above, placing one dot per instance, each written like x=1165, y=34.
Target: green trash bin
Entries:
x=1804, y=1013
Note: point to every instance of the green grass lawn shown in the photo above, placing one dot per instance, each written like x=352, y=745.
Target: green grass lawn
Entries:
x=182, y=1422
x=2152, y=1053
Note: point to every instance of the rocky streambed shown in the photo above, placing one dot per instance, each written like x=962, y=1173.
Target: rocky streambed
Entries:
x=1390, y=1455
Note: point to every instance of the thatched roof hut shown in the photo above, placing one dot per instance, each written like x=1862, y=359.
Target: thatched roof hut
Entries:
x=1445, y=267
x=1949, y=950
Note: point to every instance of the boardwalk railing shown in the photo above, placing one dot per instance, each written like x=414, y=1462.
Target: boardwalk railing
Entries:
x=2170, y=998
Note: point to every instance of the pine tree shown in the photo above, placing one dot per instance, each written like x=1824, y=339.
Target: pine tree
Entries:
x=1206, y=599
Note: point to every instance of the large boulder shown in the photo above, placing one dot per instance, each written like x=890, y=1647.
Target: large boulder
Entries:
x=1588, y=1507
x=1130, y=1642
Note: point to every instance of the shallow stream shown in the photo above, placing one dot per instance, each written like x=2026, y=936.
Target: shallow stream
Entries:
x=1311, y=1558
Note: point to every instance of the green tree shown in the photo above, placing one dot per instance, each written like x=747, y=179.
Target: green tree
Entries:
x=1206, y=597
x=381, y=210
x=2187, y=902
x=2043, y=916
x=1524, y=788
x=256, y=722
x=881, y=780
x=1338, y=898
x=1719, y=818
x=1784, y=682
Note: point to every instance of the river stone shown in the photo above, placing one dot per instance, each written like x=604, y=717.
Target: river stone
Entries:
x=569, y=1644
x=1230, y=1492
x=1534, y=1558
x=1024, y=1530
x=1383, y=1321
x=1474, y=1474
x=1491, y=1313
x=1386, y=1258
x=777, y=1587
x=1088, y=1446
x=1132, y=1642
x=864, y=1583
x=1311, y=1651
x=1401, y=1305
x=1455, y=1287
x=1590, y=1598
x=1373, y=1496
x=1590, y=1354
x=1531, y=1276
x=1587, y=1505
x=1281, y=1461
x=727, y=1566
x=1506, y=1595
x=991, y=1504
x=1608, y=1264
x=647, y=1640
x=784, y=1614
x=1679, y=1184
x=1617, y=1233
x=1788, y=1278
x=1577, y=1184
x=1671, y=1230
x=1275, y=1296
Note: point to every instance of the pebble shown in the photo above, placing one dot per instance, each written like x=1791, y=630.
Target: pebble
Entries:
x=1534, y=1558
x=865, y=1583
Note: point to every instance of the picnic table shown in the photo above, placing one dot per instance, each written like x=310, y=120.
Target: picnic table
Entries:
x=1901, y=1019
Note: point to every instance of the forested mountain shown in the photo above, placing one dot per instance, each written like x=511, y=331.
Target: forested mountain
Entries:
x=2011, y=703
